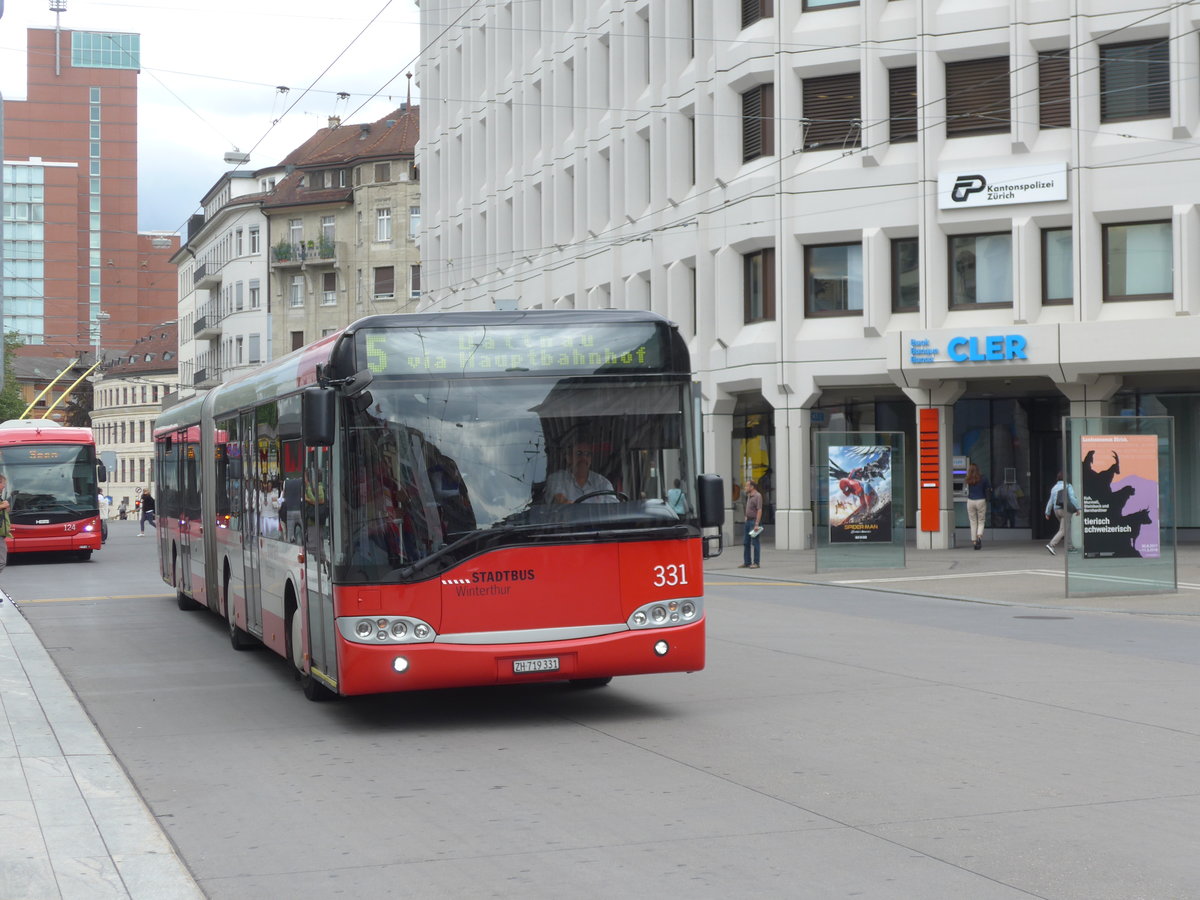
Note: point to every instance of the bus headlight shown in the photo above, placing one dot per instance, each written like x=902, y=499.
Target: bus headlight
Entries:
x=665, y=613
x=385, y=630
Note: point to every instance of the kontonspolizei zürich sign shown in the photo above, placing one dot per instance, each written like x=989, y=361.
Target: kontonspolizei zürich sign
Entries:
x=965, y=186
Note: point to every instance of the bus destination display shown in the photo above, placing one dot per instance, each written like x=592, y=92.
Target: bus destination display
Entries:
x=587, y=349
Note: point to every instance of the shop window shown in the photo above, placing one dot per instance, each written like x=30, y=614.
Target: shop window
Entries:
x=980, y=269
x=833, y=280
x=759, y=285
x=758, y=122
x=1054, y=89
x=977, y=96
x=906, y=274
x=1057, y=269
x=753, y=10
x=902, y=104
x=832, y=112
x=1138, y=261
x=1135, y=81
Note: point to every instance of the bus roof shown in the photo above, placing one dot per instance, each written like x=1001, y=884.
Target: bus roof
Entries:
x=44, y=431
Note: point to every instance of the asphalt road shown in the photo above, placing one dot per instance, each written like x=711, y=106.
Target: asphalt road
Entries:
x=840, y=743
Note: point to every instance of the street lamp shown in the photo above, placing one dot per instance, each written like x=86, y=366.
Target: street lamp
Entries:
x=101, y=318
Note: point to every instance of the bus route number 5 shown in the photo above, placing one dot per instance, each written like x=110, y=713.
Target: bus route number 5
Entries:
x=377, y=359
x=669, y=576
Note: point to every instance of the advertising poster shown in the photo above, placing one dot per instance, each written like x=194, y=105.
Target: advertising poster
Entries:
x=1120, y=496
x=860, y=494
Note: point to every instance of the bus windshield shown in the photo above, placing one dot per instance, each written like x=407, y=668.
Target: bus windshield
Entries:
x=435, y=471
x=50, y=480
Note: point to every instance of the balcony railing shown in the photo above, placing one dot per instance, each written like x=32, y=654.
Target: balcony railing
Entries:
x=206, y=276
x=206, y=328
x=200, y=376
x=296, y=253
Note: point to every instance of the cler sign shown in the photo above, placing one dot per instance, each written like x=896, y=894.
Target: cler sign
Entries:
x=974, y=348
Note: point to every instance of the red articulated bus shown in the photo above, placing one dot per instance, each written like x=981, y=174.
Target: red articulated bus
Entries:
x=450, y=499
x=52, y=473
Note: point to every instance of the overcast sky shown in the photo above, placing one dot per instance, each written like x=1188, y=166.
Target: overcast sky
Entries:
x=210, y=72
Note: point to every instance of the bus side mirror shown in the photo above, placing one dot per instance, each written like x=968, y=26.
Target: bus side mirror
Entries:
x=710, y=489
x=317, y=415
x=101, y=472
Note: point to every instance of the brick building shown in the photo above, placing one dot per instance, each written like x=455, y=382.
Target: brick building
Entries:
x=74, y=260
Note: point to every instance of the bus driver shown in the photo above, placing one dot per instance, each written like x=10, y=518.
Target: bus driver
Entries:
x=578, y=479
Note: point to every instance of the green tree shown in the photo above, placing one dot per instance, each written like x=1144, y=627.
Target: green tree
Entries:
x=78, y=409
x=11, y=404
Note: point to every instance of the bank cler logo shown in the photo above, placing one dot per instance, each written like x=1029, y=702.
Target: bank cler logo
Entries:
x=965, y=186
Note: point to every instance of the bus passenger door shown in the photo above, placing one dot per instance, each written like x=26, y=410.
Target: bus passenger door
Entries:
x=318, y=556
x=190, y=502
x=251, y=533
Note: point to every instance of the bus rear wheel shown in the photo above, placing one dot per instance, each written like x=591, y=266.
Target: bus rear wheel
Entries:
x=238, y=639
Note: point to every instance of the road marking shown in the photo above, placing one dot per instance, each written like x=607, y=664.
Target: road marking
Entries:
x=21, y=602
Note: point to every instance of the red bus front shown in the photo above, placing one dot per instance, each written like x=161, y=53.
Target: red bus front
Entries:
x=51, y=487
x=574, y=612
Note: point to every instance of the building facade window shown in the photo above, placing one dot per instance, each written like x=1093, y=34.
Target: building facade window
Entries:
x=828, y=4
x=329, y=289
x=977, y=96
x=1054, y=89
x=902, y=104
x=255, y=299
x=833, y=280
x=1135, y=81
x=414, y=222
x=297, y=340
x=1138, y=261
x=753, y=10
x=980, y=269
x=327, y=226
x=758, y=122
x=383, y=224
x=295, y=230
x=759, y=285
x=254, y=239
x=296, y=291
x=832, y=112
x=383, y=172
x=415, y=282
x=1058, y=277
x=254, y=350
x=906, y=274
x=385, y=282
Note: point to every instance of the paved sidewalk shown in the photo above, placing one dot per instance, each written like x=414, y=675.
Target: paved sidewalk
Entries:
x=1006, y=570
x=71, y=823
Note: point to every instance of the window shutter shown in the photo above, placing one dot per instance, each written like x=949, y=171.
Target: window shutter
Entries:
x=751, y=124
x=833, y=110
x=385, y=280
x=977, y=96
x=902, y=104
x=1054, y=89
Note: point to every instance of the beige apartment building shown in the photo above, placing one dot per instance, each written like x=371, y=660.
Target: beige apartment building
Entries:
x=343, y=222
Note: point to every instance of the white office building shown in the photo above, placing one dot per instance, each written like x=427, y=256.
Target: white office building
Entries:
x=854, y=211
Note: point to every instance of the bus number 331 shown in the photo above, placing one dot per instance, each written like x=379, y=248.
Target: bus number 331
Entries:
x=669, y=576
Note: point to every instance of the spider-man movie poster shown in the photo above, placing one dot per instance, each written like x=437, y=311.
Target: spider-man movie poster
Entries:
x=860, y=495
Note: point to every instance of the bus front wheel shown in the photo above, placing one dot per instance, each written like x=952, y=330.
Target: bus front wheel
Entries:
x=313, y=688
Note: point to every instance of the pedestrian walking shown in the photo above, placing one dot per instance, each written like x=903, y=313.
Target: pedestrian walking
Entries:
x=978, y=491
x=1062, y=503
x=751, y=549
x=147, y=512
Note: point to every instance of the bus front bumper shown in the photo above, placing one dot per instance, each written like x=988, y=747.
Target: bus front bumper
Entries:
x=368, y=669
